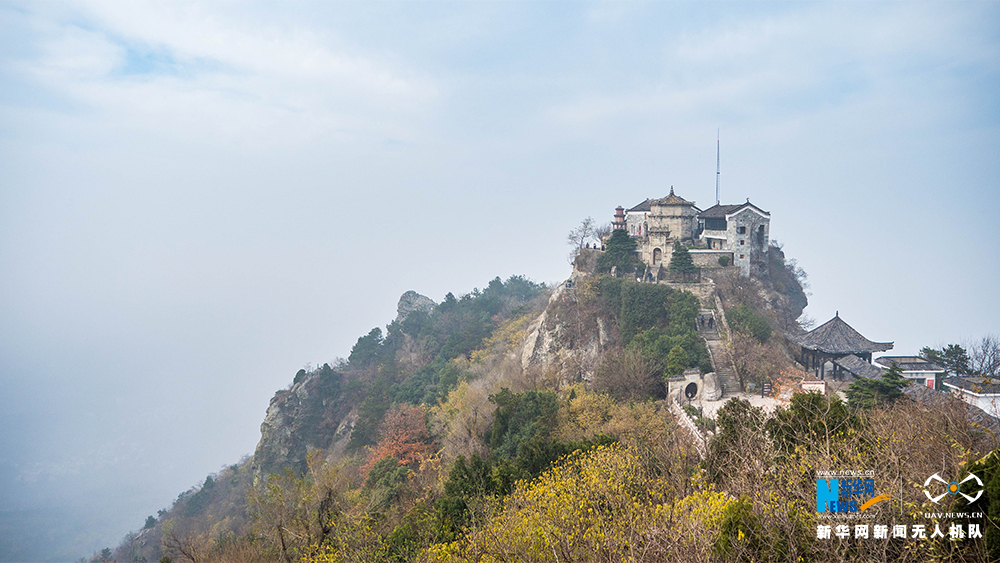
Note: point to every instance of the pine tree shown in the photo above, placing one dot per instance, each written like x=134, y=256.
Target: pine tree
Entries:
x=869, y=393
x=681, y=262
x=619, y=253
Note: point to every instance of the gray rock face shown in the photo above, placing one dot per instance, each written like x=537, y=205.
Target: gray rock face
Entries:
x=712, y=390
x=312, y=414
x=412, y=301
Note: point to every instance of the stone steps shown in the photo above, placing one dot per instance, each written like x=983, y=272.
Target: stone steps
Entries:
x=723, y=367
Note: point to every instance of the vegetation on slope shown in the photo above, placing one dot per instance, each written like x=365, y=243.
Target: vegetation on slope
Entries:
x=459, y=453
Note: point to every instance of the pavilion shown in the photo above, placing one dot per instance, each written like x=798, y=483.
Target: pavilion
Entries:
x=832, y=340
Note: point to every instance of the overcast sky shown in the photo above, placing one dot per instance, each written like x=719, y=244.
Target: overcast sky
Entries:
x=197, y=200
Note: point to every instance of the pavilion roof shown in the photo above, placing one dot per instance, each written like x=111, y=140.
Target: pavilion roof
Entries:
x=671, y=199
x=837, y=337
x=859, y=367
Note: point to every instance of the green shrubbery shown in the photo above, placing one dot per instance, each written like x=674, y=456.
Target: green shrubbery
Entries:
x=743, y=319
x=453, y=329
x=657, y=321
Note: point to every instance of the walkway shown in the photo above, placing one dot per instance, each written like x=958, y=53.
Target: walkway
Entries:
x=722, y=362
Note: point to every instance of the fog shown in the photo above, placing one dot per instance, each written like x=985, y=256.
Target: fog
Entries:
x=197, y=200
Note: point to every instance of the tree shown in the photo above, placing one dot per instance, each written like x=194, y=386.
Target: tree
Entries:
x=402, y=436
x=681, y=262
x=629, y=375
x=869, y=393
x=739, y=441
x=619, y=253
x=745, y=320
x=677, y=361
x=367, y=350
x=580, y=235
x=150, y=522
x=985, y=356
x=953, y=358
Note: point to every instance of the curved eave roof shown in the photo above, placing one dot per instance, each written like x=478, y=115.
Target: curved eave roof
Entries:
x=671, y=200
x=837, y=337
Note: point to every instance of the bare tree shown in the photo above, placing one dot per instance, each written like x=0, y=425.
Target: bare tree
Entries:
x=603, y=231
x=985, y=356
x=182, y=548
x=628, y=375
x=582, y=234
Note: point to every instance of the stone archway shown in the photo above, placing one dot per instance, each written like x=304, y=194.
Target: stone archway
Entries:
x=657, y=256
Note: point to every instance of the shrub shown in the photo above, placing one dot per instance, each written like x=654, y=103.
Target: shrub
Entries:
x=723, y=261
x=744, y=320
x=705, y=424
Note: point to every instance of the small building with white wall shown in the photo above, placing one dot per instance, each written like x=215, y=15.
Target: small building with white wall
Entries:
x=982, y=392
x=914, y=368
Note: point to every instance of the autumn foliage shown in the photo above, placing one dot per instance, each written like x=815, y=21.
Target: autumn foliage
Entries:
x=402, y=435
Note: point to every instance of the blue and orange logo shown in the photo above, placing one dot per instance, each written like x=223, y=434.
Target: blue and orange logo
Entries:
x=846, y=495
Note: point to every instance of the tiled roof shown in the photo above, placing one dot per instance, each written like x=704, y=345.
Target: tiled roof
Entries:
x=721, y=211
x=859, y=367
x=978, y=385
x=671, y=200
x=837, y=337
x=644, y=206
x=909, y=363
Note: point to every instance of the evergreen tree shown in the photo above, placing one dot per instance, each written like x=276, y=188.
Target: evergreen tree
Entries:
x=869, y=393
x=619, y=253
x=681, y=262
x=952, y=357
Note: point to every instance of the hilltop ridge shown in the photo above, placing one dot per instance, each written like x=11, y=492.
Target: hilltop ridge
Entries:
x=424, y=442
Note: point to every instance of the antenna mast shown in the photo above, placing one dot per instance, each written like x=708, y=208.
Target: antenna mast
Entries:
x=718, y=169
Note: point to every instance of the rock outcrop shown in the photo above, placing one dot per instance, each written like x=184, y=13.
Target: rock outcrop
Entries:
x=564, y=341
x=412, y=301
x=313, y=413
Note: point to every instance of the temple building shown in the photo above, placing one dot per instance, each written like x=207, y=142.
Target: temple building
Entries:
x=831, y=342
x=738, y=233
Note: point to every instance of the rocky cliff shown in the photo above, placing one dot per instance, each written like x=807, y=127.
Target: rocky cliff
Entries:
x=316, y=412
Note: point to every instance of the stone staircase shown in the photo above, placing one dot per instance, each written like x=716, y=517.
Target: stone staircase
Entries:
x=721, y=360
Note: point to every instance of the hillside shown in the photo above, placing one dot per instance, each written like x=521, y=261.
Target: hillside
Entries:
x=521, y=422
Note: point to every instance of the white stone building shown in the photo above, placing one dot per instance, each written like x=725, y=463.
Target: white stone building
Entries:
x=743, y=230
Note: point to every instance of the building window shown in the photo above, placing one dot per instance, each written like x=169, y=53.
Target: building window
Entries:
x=742, y=242
x=741, y=230
x=741, y=256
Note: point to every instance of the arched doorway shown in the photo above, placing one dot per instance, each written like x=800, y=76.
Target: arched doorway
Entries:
x=657, y=256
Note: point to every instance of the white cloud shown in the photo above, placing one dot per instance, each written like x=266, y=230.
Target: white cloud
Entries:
x=227, y=79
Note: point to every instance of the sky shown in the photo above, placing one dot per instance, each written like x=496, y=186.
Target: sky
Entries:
x=199, y=199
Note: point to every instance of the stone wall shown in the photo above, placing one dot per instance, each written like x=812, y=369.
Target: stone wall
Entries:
x=705, y=291
x=709, y=258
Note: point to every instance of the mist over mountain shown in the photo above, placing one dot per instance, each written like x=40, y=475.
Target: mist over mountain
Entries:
x=198, y=201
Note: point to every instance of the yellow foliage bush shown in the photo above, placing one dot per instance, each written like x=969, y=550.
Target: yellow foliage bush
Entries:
x=602, y=505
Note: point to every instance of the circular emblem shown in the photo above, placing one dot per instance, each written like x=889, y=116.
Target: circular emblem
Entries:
x=952, y=488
